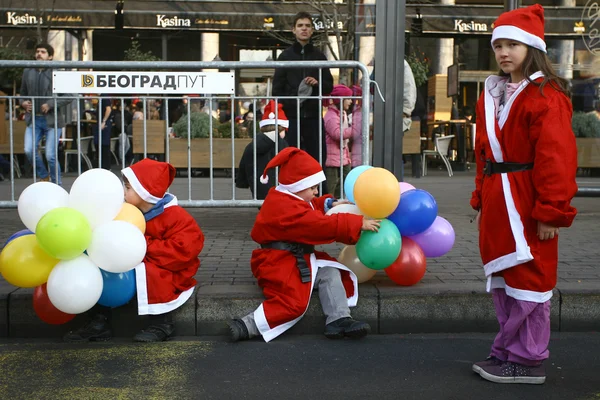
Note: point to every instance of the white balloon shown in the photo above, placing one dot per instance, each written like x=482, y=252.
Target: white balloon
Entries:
x=98, y=194
x=344, y=208
x=74, y=286
x=39, y=198
x=117, y=246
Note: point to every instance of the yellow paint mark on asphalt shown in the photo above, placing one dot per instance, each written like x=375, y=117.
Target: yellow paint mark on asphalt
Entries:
x=99, y=371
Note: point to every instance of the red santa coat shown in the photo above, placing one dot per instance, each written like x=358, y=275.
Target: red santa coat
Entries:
x=165, y=279
x=286, y=217
x=532, y=128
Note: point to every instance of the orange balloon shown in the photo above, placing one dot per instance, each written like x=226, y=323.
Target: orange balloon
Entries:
x=349, y=258
x=132, y=214
x=377, y=193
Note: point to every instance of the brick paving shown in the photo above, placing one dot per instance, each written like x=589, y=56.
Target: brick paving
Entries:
x=227, y=249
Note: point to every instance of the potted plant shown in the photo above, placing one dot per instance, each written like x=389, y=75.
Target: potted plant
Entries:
x=586, y=127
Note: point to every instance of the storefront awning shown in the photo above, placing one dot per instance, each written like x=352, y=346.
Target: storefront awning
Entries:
x=435, y=19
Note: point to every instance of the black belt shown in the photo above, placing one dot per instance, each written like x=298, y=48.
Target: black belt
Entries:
x=500, y=168
x=298, y=250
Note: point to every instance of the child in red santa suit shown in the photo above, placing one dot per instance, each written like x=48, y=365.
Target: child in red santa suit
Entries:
x=526, y=165
x=165, y=279
x=287, y=266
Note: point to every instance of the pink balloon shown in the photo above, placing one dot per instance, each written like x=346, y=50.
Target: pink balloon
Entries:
x=404, y=187
x=437, y=240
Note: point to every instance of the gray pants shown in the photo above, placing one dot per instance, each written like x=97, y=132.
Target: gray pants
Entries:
x=331, y=293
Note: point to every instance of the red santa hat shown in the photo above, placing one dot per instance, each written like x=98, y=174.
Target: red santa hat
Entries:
x=150, y=179
x=525, y=25
x=298, y=170
x=268, y=117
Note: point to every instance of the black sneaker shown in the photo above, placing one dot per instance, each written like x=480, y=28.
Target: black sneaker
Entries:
x=237, y=330
x=98, y=329
x=155, y=333
x=347, y=327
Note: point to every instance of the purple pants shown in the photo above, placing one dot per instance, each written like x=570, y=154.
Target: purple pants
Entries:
x=524, y=330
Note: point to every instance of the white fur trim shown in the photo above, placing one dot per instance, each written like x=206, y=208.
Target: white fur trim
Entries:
x=137, y=186
x=142, y=295
x=283, y=190
x=497, y=282
x=305, y=183
x=264, y=179
x=281, y=122
x=260, y=318
x=518, y=34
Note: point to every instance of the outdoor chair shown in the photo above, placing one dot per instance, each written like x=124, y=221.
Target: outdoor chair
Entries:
x=442, y=144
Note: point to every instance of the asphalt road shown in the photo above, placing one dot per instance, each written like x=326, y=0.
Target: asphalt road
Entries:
x=291, y=367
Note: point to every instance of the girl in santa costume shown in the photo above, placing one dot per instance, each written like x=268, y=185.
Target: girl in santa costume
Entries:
x=287, y=266
x=526, y=165
x=165, y=279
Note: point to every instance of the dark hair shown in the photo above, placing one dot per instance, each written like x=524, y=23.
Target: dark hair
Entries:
x=302, y=15
x=537, y=60
x=44, y=45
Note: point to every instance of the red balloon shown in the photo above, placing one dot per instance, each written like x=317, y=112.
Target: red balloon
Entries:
x=409, y=268
x=45, y=310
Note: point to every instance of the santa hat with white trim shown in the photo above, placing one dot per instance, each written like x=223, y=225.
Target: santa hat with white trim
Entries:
x=268, y=117
x=298, y=170
x=525, y=25
x=150, y=179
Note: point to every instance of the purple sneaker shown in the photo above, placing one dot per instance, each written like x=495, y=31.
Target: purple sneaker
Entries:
x=509, y=372
x=491, y=360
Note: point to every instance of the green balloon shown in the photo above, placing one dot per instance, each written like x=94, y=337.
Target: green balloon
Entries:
x=64, y=233
x=378, y=250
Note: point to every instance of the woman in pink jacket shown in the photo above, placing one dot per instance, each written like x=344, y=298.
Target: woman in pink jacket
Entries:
x=338, y=133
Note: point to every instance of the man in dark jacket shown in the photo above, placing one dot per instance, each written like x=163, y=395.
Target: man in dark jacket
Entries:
x=302, y=82
x=42, y=110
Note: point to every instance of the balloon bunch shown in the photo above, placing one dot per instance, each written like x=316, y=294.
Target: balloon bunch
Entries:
x=79, y=248
x=410, y=229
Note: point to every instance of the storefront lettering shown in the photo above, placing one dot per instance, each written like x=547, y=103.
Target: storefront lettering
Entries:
x=470, y=26
x=590, y=16
x=320, y=25
x=24, y=19
x=164, y=22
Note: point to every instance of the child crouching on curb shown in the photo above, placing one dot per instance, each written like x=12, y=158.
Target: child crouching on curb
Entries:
x=165, y=279
x=290, y=223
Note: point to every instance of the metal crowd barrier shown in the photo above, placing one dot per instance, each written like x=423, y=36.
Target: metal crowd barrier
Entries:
x=145, y=98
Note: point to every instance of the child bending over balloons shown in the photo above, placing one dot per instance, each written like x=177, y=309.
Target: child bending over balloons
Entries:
x=290, y=223
x=526, y=165
x=165, y=279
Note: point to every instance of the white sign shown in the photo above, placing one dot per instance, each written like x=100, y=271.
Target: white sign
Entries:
x=109, y=82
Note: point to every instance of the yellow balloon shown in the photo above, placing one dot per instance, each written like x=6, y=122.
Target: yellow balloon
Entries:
x=377, y=193
x=349, y=258
x=23, y=263
x=132, y=214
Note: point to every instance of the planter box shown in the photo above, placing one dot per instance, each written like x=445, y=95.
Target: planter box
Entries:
x=200, y=152
x=588, y=152
x=18, y=137
x=155, y=136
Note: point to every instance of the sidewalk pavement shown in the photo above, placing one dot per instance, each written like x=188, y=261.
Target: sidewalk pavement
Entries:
x=450, y=298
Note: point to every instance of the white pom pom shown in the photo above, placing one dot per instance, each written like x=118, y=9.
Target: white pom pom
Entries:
x=264, y=179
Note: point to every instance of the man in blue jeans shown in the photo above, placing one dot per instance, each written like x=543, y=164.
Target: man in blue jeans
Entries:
x=42, y=115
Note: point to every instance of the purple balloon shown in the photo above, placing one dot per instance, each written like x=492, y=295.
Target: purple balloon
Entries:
x=405, y=187
x=437, y=240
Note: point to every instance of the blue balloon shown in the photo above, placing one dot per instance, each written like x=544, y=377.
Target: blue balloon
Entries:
x=351, y=180
x=118, y=288
x=18, y=234
x=415, y=213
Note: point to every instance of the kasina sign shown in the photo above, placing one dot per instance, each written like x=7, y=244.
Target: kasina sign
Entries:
x=15, y=19
x=164, y=22
x=470, y=26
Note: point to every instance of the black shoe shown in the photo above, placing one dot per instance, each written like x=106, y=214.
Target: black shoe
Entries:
x=155, y=333
x=98, y=329
x=347, y=327
x=237, y=330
